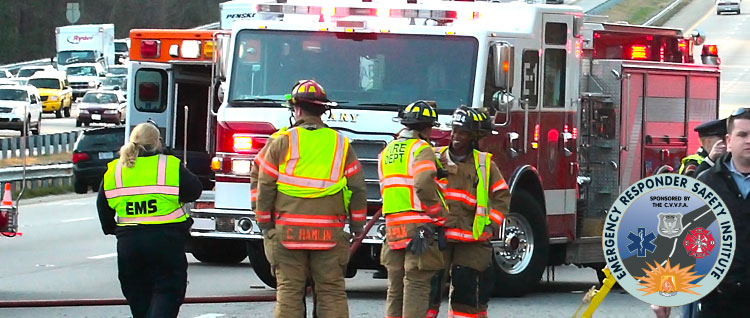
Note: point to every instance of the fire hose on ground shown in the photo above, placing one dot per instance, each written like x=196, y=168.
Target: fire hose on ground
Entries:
x=357, y=242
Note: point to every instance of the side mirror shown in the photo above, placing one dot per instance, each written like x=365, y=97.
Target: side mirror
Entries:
x=698, y=37
x=503, y=54
x=221, y=55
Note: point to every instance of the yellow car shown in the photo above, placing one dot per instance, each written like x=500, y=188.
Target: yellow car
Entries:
x=55, y=92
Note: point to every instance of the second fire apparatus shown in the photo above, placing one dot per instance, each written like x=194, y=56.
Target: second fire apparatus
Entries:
x=582, y=108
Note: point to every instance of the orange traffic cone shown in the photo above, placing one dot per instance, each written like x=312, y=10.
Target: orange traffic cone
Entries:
x=7, y=199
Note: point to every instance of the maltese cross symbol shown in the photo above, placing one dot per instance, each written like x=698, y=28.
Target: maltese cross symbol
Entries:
x=641, y=242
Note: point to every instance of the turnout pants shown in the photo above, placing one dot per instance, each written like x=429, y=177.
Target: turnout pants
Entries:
x=152, y=270
x=292, y=268
x=409, y=279
x=471, y=280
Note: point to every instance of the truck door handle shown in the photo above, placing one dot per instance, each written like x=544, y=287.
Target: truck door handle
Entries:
x=512, y=141
x=664, y=154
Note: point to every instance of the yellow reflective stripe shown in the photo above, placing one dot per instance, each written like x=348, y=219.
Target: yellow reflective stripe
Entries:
x=305, y=182
x=338, y=158
x=140, y=190
x=293, y=152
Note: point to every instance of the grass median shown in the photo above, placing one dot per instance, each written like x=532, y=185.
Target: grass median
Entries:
x=639, y=11
x=62, y=157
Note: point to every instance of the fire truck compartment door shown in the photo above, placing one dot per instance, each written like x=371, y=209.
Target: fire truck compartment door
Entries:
x=151, y=97
x=631, y=128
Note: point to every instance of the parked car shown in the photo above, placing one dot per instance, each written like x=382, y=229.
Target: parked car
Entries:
x=728, y=6
x=91, y=153
x=122, y=51
x=5, y=74
x=84, y=77
x=19, y=106
x=55, y=92
x=102, y=107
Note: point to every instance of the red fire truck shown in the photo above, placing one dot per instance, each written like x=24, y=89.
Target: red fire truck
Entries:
x=582, y=108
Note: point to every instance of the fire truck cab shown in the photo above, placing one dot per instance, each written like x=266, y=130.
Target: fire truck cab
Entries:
x=582, y=108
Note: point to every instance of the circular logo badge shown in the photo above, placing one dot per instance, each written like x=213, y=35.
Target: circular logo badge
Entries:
x=668, y=240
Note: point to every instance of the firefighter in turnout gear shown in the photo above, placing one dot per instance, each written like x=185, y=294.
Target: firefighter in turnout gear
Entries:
x=413, y=209
x=309, y=183
x=711, y=134
x=140, y=201
x=478, y=198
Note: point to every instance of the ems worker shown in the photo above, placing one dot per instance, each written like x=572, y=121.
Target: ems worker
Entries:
x=310, y=181
x=140, y=201
x=477, y=197
x=412, y=208
x=711, y=135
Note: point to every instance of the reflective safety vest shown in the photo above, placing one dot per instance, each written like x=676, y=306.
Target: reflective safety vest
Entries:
x=314, y=163
x=482, y=213
x=147, y=193
x=698, y=158
x=397, y=175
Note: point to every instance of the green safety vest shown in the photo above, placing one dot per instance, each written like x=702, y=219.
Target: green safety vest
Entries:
x=481, y=215
x=314, y=163
x=685, y=160
x=147, y=193
x=397, y=178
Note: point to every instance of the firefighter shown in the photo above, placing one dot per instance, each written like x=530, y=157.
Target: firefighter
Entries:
x=711, y=134
x=309, y=182
x=412, y=209
x=140, y=201
x=478, y=198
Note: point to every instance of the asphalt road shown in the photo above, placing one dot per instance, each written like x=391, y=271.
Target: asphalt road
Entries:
x=63, y=254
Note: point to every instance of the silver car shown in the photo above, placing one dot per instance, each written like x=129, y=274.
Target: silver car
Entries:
x=728, y=6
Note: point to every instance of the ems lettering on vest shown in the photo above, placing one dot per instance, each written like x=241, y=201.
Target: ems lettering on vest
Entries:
x=396, y=153
x=140, y=207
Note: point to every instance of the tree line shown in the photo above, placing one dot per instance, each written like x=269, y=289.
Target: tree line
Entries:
x=27, y=27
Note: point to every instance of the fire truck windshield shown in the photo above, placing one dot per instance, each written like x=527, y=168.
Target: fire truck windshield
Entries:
x=377, y=70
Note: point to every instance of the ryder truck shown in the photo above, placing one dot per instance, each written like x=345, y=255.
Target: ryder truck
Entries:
x=582, y=108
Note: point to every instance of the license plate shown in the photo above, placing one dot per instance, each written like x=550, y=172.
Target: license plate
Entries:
x=204, y=224
x=96, y=117
x=106, y=155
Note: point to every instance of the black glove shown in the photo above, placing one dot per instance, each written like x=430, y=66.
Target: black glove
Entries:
x=442, y=173
x=420, y=242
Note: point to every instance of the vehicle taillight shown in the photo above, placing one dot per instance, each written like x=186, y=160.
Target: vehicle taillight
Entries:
x=686, y=48
x=80, y=156
x=150, y=49
x=148, y=92
x=242, y=137
x=535, y=143
x=639, y=52
x=243, y=143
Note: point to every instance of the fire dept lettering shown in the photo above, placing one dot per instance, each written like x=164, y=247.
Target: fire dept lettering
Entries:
x=395, y=153
x=140, y=207
x=308, y=234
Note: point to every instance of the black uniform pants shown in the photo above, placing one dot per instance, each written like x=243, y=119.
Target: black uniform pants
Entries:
x=725, y=304
x=153, y=271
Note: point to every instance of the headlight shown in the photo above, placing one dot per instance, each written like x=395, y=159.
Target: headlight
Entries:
x=110, y=111
x=53, y=98
x=19, y=110
x=92, y=84
x=241, y=167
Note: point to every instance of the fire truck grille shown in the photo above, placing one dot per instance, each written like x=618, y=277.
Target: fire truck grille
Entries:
x=367, y=152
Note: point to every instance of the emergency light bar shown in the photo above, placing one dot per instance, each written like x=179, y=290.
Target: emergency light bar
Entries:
x=341, y=12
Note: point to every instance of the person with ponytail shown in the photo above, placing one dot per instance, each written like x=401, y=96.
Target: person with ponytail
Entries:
x=141, y=202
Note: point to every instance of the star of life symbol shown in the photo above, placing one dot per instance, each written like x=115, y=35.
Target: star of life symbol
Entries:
x=641, y=242
x=699, y=243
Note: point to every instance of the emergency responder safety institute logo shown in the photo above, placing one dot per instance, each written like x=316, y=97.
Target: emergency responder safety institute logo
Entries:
x=668, y=240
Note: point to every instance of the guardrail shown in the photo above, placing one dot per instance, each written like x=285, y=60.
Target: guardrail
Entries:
x=659, y=15
x=39, y=176
x=38, y=145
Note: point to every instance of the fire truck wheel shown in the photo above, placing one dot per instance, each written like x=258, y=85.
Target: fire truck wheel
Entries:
x=520, y=262
x=260, y=265
x=219, y=251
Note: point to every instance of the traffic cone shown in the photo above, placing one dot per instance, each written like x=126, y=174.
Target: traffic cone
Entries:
x=7, y=198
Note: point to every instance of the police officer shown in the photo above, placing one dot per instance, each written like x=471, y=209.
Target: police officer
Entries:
x=711, y=135
x=309, y=183
x=412, y=207
x=140, y=201
x=478, y=198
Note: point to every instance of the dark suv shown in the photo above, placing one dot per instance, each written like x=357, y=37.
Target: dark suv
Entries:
x=91, y=153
